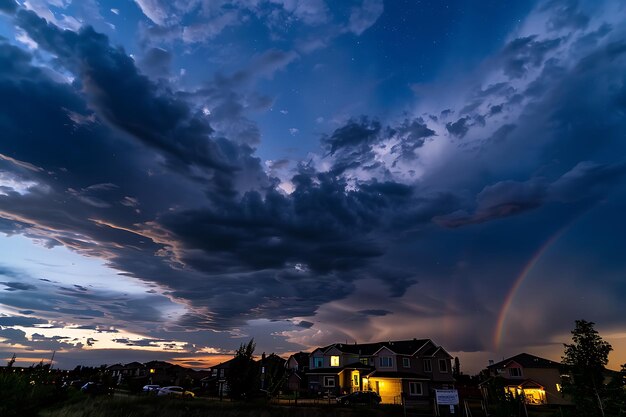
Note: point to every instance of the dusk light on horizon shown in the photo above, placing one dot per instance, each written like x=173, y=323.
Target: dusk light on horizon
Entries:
x=180, y=177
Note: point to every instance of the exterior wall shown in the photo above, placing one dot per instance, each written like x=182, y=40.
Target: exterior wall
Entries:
x=438, y=375
x=548, y=378
x=390, y=390
x=316, y=384
x=384, y=352
x=407, y=391
x=292, y=363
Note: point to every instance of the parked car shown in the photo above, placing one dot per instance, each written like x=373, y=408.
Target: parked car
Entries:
x=95, y=388
x=151, y=389
x=175, y=391
x=360, y=397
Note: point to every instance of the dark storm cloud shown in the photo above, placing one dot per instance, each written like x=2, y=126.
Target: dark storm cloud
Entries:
x=155, y=118
x=507, y=198
x=458, y=128
x=374, y=312
x=155, y=63
x=522, y=54
x=355, y=133
x=13, y=336
x=223, y=242
x=413, y=134
x=17, y=286
x=20, y=321
x=8, y=6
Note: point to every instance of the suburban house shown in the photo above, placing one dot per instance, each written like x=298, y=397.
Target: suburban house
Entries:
x=296, y=367
x=272, y=373
x=216, y=383
x=537, y=379
x=405, y=370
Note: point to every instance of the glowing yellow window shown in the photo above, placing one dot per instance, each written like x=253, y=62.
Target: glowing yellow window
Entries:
x=334, y=361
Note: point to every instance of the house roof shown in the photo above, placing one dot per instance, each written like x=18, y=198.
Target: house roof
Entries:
x=223, y=365
x=398, y=375
x=526, y=360
x=402, y=347
x=302, y=358
x=520, y=383
x=133, y=365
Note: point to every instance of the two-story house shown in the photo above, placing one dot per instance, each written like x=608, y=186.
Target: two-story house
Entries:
x=406, y=370
x=296, y=367
x=536, y=379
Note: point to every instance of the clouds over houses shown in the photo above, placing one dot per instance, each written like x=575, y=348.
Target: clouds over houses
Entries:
x=165, y=184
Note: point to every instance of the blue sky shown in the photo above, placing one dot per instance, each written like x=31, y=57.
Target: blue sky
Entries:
x=177, y=177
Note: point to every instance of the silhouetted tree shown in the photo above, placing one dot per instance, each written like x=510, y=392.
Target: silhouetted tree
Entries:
x=456, y=369
x=11, y=362
x=586, y=359
x=243, y=371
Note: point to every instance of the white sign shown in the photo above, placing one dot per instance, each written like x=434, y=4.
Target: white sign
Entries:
x=447, y=396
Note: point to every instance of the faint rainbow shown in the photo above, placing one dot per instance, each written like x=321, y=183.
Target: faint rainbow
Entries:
x=504, y=311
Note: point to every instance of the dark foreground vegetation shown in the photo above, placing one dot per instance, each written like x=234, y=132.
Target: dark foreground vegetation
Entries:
x=167, y=407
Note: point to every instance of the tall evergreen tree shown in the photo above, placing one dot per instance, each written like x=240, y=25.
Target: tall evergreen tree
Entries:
x=586, y=359
x=242, y=374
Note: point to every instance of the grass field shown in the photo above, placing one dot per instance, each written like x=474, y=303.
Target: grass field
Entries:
x=165, y=407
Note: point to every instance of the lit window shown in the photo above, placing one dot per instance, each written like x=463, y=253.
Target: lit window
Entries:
x=406, y=362
x=558, y=387
x=515, y=372
x=334, y=361
x=443, y=365
x=329, y=381
x=365, y=361
x=428, y=365
x=386, y=362
x=318, y=362
x=415, y=388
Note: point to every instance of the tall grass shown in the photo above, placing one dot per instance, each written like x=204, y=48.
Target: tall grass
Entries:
x=165, y=407
x=21, y=396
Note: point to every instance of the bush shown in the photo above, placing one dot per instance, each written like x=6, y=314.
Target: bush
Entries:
x=21, y=396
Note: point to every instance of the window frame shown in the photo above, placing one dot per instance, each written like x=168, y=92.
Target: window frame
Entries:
x=430, y=366
x=334, y=361
x=406, y=362
x=517, y=370
x=318, y=362
x=388, y=359
x=416, y=384
x=445, y=370
x=325, y=380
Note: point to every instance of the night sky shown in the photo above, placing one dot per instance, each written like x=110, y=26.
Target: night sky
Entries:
x=177, y=177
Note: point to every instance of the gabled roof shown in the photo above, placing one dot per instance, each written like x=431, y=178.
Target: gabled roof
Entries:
x=397, y=375
x=223, y=365
x=133, y=365
x=301, y=358
x=519, y=383
x=526, y=360
x=401, y=347
x=437, y=350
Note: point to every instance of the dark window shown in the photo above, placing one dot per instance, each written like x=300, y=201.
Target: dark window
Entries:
x=406, y=362
x=428, y=365
x=443, y=365
x=515, y=372
x=415, y=388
